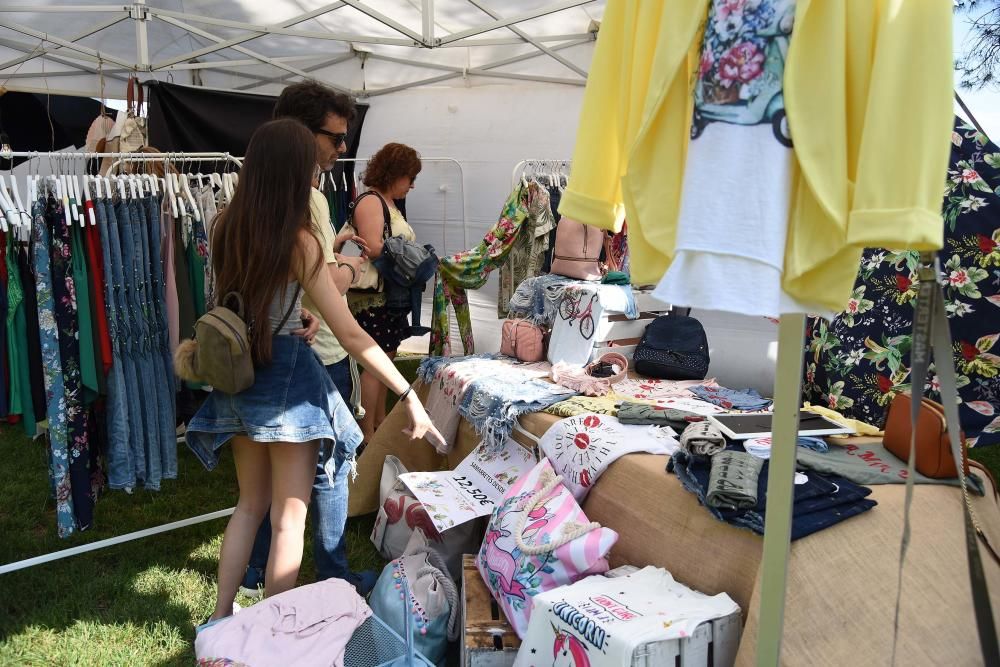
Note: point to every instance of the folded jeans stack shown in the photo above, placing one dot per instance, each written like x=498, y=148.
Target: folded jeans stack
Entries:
x=818, y=503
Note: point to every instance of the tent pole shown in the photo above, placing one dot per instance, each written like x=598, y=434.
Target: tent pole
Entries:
x=427, y=14
x=780, y=485
x=531, y=40
x=519, y=18
x=140, y=14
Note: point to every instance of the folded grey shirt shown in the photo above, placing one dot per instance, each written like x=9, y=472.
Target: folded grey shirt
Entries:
x=732, y=482
x=871, y=464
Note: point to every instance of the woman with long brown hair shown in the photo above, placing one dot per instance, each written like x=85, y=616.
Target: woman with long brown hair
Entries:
x=265, y=250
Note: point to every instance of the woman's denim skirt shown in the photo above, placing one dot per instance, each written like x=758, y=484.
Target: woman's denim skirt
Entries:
x=292, y=399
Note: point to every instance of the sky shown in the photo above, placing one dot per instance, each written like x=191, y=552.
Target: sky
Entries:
x=984, y=104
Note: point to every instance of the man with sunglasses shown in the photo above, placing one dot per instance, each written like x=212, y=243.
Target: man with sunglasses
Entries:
x=327, y=113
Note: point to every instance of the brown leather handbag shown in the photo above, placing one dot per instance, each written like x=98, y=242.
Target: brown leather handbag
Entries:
x=934, y=457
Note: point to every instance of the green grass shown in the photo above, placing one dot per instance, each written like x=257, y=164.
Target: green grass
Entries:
x=135, y=603
x=132, y=604
x=989, y=457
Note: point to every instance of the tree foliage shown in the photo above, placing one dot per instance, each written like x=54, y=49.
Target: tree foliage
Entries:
x=979, y=64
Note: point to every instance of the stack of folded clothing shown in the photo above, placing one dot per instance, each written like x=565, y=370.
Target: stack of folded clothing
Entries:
x=724, y=484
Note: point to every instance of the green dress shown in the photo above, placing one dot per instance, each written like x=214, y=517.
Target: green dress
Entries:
x=17, y=344
x=88, y=361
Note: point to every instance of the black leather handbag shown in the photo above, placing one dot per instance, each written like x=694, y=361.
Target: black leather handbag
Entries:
x=673, y=347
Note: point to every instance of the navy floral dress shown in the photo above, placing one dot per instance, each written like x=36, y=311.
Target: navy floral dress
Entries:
x=860, y=361
x=76, y=414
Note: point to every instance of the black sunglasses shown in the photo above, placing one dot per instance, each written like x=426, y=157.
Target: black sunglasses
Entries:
x=338, y=137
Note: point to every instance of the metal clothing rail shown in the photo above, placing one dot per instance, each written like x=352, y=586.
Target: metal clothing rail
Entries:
x=124, y=156
x=524, y=166
x=156, y=530
x=465, y=213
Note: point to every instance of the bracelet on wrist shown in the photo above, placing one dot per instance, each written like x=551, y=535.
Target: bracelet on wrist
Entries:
x=402, y=397
x=354, y=274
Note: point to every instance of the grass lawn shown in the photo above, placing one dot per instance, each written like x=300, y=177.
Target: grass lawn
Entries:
x=135, y=603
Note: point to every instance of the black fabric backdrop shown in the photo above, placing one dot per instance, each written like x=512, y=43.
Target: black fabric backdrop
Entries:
x=192, y=119
x=24, y=117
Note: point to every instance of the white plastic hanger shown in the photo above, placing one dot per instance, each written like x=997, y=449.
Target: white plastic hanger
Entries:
x=186, y=187
x=9, y=217
x=168, y=187
x=89, y=209
x=81, y=202
x=21, y=211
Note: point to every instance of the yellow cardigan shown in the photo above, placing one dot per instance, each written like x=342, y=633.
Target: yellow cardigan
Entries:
x=868, y=90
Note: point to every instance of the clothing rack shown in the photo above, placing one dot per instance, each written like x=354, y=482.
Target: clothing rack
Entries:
x=443, y=189
x=147, y=532
x=525, y=167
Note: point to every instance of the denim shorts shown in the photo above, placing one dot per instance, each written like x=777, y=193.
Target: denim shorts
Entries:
x=292, y=399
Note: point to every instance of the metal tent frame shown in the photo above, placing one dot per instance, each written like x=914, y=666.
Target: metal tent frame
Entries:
x=82, y=60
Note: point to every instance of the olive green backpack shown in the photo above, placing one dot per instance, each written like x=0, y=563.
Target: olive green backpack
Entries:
x=219, y=355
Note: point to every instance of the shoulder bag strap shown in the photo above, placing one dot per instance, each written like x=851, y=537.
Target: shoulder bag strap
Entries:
x=930, y=331
x=386, y=219
x=291, y=307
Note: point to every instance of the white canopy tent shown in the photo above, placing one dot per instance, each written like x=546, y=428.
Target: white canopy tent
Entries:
x=368, y=48
x=512, y=73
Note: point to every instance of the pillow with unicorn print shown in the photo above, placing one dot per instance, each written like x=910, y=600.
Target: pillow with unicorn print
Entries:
x=537, y=540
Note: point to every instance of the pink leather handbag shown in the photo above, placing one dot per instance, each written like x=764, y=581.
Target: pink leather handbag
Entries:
x=522, y=339
x=578, y=250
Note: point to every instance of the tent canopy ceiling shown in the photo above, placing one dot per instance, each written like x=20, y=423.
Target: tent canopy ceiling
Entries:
x=366, y=47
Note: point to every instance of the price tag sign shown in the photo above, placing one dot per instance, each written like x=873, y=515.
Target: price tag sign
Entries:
x=473, y=488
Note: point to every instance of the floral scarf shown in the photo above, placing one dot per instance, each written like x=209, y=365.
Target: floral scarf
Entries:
x=471, y=268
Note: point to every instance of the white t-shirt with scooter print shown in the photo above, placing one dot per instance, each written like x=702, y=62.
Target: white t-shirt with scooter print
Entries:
x=731, y=232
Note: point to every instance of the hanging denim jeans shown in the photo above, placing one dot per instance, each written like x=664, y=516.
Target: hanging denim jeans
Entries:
x=132, y=256
x=121, y=468
x=52, y=372
x=118, y=238
x=64, y=298
x=155, y=327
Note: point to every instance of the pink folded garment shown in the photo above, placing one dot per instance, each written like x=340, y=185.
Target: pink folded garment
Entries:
x=309, y=625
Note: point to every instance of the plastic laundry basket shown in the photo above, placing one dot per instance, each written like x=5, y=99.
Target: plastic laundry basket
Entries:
x=375, y=644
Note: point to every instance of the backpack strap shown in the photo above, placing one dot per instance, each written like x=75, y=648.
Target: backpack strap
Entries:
x=291, y=307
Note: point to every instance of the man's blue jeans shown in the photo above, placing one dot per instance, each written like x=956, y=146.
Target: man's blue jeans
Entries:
x=328, y=506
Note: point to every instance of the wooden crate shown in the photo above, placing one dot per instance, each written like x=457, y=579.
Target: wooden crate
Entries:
x=713, y=644
x=488, y=640
x=617, y=333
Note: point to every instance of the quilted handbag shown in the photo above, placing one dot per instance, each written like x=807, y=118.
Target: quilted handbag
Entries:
x=673, y=347
x=417, y=585
x=578, y=250
x=539, y=539
x=522, y=339
x=400, y=515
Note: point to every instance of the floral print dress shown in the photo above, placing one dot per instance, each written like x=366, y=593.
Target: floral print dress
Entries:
x=55, y=393
x=860, y=360
x=76, y=413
